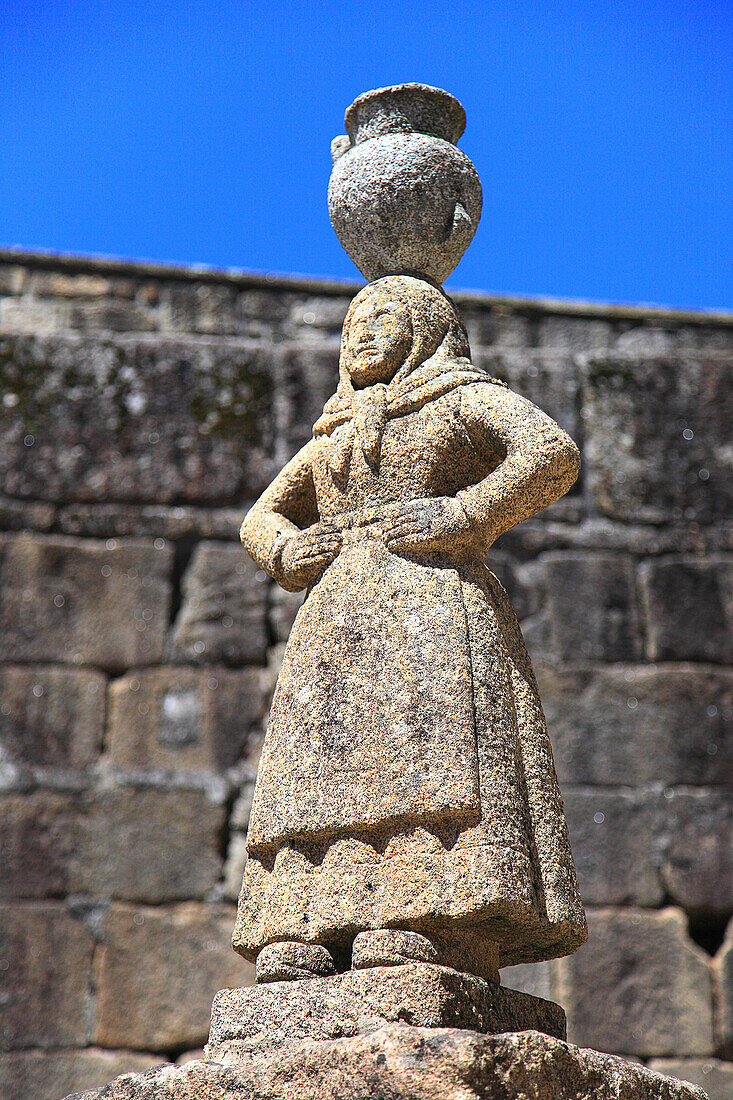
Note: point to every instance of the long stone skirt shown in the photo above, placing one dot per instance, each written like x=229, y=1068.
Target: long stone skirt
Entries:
x=407, y=777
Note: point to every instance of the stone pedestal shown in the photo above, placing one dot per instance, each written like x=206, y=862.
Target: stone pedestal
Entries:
x=282, y=1015
x=399, y=1062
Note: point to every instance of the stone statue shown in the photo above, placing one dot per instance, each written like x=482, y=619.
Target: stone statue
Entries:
x=406, y=806
x=407, y=836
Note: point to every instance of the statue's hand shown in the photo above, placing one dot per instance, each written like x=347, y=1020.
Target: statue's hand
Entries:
x=432, y=523
x=306, y=555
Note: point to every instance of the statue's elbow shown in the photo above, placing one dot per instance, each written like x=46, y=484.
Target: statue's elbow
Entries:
x=248, y=532
x=567, y=462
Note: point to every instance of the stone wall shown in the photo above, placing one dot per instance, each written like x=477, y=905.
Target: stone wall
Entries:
x=144, y=408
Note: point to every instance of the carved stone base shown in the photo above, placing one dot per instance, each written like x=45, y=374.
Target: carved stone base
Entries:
x=279, y=1015
x=409, y=1063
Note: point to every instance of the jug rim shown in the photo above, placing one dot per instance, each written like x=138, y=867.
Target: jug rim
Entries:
x=414, y=108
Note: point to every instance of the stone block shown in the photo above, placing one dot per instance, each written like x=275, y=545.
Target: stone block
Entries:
x=23, y=515
x=657, y=436
x=412, y=1063
x=148, y=845
x=50, y=1074
x=177, y=522
x=185, y=719
x=49, y=718
x=111, y=315
x=157, y=972
x=200, y=307
x=85, y=602
x=306, y=377
x=280, y=1015
x=549, y=380
x=574, y=334
x=689, y=609
x=639, y=985
x=315, y=315
x=698, y=863
x=32, y=317
x=588, y=608
x=615, y=838
x=495, y=327
x=85, y=284
x=723, y=976
x=45, y=977
x=639, y=724
x=715, y=1078
x=223, y=616
x=12, y=278
x=36, y=845
x=141, y=844
x=140, y=419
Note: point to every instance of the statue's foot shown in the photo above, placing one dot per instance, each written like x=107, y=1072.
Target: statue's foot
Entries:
x=283, y=962
x=391, y=947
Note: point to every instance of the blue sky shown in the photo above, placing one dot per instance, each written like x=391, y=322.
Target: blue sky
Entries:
x=199, y=132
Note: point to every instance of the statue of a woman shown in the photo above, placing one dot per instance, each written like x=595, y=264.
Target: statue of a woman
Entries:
x=406, y=804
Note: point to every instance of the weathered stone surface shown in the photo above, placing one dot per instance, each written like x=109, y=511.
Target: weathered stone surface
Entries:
x=281, y=1015
x=45, y=977
x=689, y=609
x=290, y=961
x=499, y=326
x=550, y=381
x=83, y=601
x=49, y=718
x=149, y=845
x=657, y=436
x=223, y=614
x=185, y=719
x=37, y=844
x=391, y=946
x=412, y=1063
x=588, y=608
x=132, y=418
x=402, y=197
x=51, y=1074
x=574, y=334
x=377, y=745
x=723, y=971
x=149, y=520
x=698, y=863
x=616, y=837
x=640, y=985
x=157, y=971
x=710, y=1074
x=141, y=844
x=306, y=378
x=640, y=724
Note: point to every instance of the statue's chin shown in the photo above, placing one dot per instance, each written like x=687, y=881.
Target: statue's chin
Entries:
x=369, y=374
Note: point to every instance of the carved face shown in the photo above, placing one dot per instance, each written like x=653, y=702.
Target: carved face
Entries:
x=380, y=339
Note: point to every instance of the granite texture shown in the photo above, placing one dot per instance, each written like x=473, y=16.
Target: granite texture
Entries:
x=402, y=197
x=406, y=778
x=248, y=1022
x=623, y=733
x=401, y=1062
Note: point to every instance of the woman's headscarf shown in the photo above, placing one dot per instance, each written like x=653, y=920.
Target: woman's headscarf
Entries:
x=437, y=362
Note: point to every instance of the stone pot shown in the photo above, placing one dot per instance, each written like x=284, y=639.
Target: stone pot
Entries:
x=402, y=198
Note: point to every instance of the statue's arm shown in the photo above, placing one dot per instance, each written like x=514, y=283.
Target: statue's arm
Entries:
x=541, y=461
x=285, y=508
